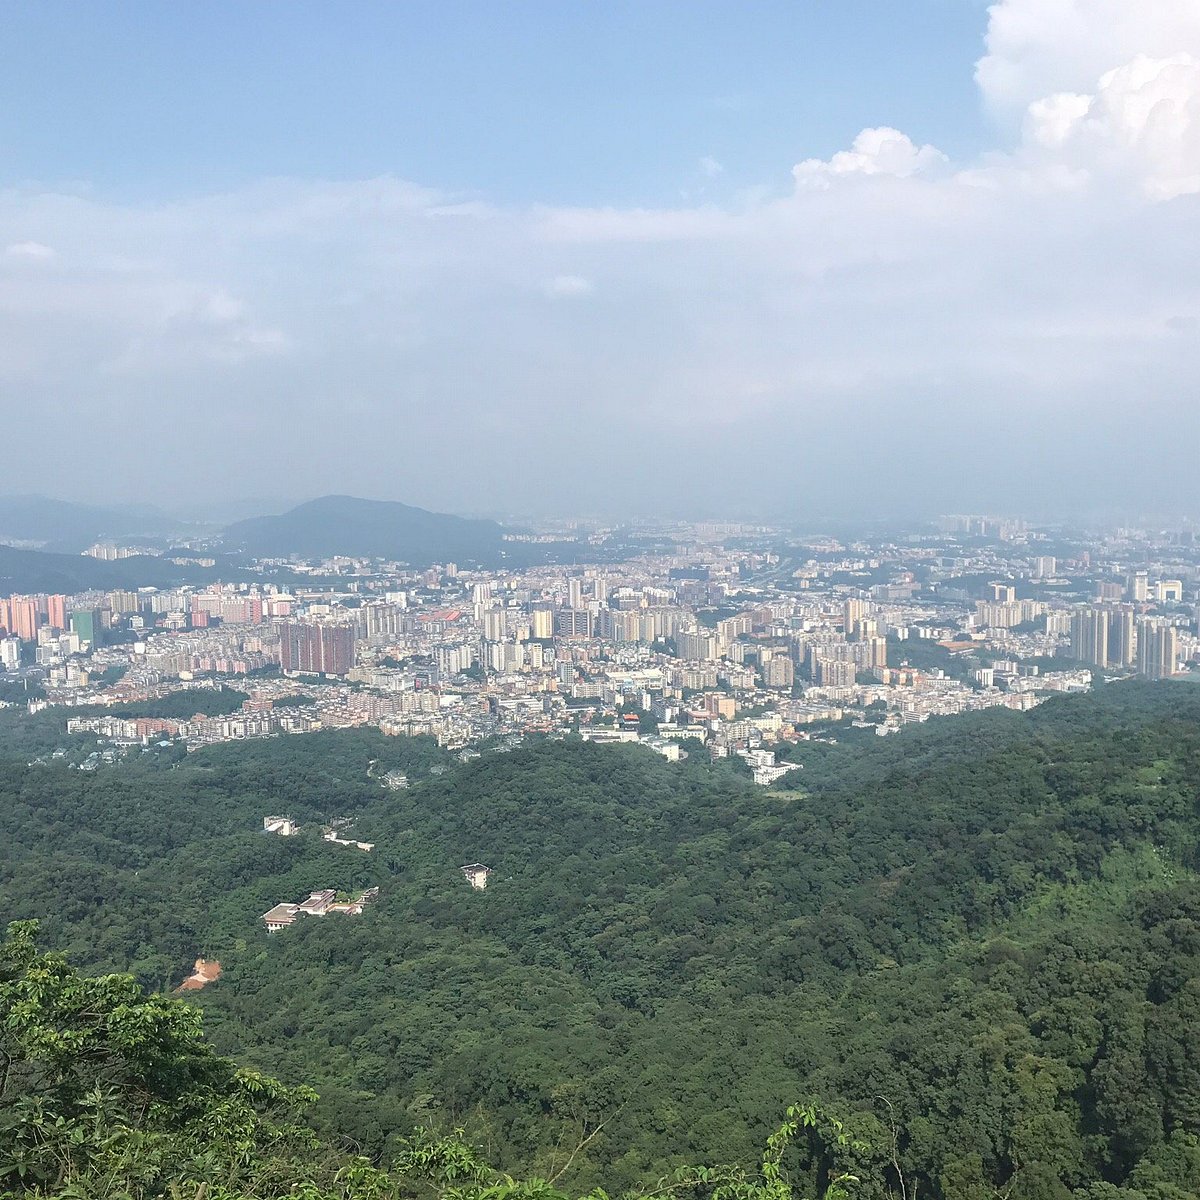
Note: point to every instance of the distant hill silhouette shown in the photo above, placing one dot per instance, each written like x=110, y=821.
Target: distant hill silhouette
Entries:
x=345, y=525
x=62, y=525
x=36, y=571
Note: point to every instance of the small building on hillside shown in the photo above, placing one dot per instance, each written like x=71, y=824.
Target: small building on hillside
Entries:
x=395, y=780
x=284, y=826
x=668, y=749
x=476, y=875
x=354, y=907
x=280, y=917
x=317, y=904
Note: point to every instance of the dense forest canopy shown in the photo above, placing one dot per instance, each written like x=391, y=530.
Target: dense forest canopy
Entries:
x=976, y=944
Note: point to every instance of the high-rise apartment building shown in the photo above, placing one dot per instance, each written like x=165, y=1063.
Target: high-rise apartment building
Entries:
x=1121, y=642
x=85, y=625
x=573, y=623
x=22, y=619
x=877, y=647
x=494, y=624
x=1058, y=621
x=10, y=653
x=621, y=626
x=832, y=672
x=229, y=608
x=854, y=611
x=123, y=602
x=779, y=672
x=1139, y=587
x=733, y=627
x=1089, y=636
x=56, y=612
x=1157, y=650
x=381, y=619
x=452, y=660
x=696, y=646
x=316, y=647
x=541, y=624
x=992, y=614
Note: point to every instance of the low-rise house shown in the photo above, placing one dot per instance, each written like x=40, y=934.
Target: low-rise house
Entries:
x=354, y=908
x=668, y=749
x=280, y=917
x=318, y=904
x=476, y=875
x=284, y=826
x=765, y=776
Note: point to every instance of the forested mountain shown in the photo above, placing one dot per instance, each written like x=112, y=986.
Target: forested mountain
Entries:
x=976, y=944
x=346, y=525
x=112, y=1094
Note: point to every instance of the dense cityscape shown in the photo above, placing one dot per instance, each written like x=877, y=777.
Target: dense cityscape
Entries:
x=733, y=639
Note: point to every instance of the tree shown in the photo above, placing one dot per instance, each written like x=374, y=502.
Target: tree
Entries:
x=106, y=1091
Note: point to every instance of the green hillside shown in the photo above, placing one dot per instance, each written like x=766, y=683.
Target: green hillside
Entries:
x=976, y=944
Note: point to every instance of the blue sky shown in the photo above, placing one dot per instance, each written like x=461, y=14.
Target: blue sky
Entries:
x=564, y=102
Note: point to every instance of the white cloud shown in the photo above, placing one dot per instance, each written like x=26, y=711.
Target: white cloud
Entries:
x=1036, y=48
x=880, y=151
x=190, y=328
x=710, y=168
x=319, y=315
x=29, y=250
x=1142, y=123
x=568, y=285
x=1052, y=121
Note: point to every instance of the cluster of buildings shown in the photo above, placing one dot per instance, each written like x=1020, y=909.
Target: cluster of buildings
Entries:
x=286, y=827
x=319, y=904
x=1114, y=635
x=739, y=638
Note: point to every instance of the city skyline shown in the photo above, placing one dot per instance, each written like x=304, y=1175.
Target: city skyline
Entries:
x=740, y=637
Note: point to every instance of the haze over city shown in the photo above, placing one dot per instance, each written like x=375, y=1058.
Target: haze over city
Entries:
x=679, y=258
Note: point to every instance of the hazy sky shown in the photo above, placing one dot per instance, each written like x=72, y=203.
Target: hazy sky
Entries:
x=778, y=257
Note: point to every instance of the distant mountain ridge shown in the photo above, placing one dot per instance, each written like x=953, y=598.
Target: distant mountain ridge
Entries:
x=62, y=525
x=356, y=528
